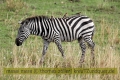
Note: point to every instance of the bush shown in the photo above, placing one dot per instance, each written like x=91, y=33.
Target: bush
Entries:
x=14, y=5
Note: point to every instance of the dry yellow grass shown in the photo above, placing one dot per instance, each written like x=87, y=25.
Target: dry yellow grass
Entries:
x=106, y=57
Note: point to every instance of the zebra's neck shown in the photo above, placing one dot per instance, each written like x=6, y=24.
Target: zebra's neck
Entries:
x=40, y=26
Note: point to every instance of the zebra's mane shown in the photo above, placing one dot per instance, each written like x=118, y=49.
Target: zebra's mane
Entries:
x=32, y=18
x=45, y=17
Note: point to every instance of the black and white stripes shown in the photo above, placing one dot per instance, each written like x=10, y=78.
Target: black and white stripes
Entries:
x=56, y=30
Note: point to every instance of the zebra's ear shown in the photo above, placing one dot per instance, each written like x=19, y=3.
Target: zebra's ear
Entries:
x=20, y=22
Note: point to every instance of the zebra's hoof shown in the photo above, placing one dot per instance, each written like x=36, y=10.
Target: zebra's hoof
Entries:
x=81, y=63
x=63, y=56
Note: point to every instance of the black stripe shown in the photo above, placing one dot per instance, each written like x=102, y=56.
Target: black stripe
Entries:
x=42, y=27
x=60, y=27
x=38, y=29
x=84, y=23
x=65, y=35
x=87, y=36
x=72, y=20
x=87, y=33
x=55, y=25
x=34, y=25
x=68, y=29
x=78, y=21
x=51, y=27
x=87, y=28
x=45, y=27
x=48, y=28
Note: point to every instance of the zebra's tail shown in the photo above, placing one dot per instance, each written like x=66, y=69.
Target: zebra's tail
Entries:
x=92, y=34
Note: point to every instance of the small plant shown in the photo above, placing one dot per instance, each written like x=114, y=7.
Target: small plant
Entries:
x=14, y=5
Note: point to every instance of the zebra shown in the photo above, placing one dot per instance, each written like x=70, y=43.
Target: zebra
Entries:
x=57, y=30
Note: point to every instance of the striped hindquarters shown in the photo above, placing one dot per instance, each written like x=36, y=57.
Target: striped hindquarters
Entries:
x=81, y=26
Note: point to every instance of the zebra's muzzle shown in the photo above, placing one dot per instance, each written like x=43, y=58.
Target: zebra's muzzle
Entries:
x=17, y=42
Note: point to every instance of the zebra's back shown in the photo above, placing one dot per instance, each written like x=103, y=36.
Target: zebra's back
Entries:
x=71, y=28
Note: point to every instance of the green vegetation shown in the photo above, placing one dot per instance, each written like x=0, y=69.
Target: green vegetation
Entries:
x=104, y=13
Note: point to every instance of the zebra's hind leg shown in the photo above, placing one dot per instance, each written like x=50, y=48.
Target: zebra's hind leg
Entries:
x=58, y=43
x=91, y=45
x=45, y=47
x=83, y=49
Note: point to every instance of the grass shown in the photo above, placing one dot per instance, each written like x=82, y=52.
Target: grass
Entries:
x=105, y=14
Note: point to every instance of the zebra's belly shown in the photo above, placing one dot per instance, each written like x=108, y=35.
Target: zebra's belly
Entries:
x=62, y=38
x=68, y=39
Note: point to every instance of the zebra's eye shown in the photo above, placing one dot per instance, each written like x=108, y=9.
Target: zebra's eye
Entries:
x=21, y=31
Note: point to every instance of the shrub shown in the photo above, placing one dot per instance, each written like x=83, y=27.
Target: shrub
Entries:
x=14, y=5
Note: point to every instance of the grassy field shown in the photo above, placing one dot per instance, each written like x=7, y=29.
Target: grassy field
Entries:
x=104, y=13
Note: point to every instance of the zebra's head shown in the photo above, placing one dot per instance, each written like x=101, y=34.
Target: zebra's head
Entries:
x=23, y=32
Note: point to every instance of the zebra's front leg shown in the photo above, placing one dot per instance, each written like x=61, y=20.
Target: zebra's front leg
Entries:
x=83, y=49
x=58, y=43
x=45, y=47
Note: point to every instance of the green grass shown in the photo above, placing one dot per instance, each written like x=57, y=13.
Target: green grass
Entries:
x=105, y=14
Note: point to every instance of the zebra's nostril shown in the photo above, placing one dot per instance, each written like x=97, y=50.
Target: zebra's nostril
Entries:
x=17, y=42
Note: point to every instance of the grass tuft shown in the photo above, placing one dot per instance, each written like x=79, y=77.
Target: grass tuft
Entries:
x=15, y=5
